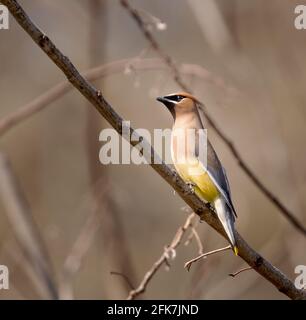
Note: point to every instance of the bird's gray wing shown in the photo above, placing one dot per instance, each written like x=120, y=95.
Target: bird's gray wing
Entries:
x=218, y=175
x=215, y=169
x=229, y=191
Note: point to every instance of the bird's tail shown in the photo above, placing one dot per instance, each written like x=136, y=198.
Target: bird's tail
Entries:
x=227, y=219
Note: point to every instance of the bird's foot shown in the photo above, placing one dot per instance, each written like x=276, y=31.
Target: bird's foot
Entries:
x=211, y=207
x=191, y=186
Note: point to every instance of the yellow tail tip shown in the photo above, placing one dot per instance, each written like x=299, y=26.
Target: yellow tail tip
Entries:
x=236, y=250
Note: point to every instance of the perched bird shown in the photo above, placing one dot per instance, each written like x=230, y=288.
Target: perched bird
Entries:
x=208, y=179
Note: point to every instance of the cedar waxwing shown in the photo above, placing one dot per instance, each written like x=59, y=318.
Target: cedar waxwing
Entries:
x=209, y=181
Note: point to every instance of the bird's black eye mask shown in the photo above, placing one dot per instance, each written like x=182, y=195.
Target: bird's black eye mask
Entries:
x=175, y=98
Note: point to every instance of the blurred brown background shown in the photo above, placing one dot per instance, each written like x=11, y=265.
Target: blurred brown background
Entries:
x=253, y=46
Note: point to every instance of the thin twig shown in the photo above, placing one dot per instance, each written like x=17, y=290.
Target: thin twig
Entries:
x=161, y=260
x=194, y=234
x=198, y=240
x=177, y=78
x=261, y=265
x=191, y=234
x=155, y=45
x=204, y=255
x=234, y=274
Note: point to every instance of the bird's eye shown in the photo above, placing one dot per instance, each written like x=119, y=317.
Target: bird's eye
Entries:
x=176, y=98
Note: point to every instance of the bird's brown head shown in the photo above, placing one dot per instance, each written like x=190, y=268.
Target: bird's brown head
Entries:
x=179, y=103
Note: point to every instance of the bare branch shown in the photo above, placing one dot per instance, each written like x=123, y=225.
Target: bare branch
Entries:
x=194, y=234
x=26, y=232
x=163, y=259
x=155, y=45
x=204, y=255
x=261, y=265
x=198, y=240
x=177, y=78
x=234, y=274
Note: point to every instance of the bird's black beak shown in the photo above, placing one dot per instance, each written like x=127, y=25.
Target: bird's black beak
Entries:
x=168, y=103
x=161, y=99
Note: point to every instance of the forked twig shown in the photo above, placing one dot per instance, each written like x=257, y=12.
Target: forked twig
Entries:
x=204, y=255
x=194, y=234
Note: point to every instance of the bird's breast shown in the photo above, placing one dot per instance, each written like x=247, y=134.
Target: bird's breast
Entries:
x=193, y=171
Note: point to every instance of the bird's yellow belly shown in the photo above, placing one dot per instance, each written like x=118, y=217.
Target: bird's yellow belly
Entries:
x=197, y=175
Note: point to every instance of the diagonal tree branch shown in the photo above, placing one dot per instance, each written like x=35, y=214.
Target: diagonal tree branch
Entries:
x=257, y=262
x=177, y=78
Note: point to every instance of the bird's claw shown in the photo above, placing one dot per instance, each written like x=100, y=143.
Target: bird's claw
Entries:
x=211, y=207
x=191, y=185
